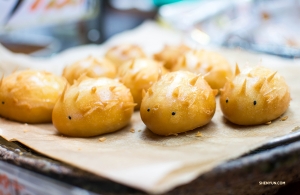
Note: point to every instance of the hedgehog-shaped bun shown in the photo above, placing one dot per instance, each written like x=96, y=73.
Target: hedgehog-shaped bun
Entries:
x=93, y=107
x=255, y=96
x=180, y=101
x=29, y=95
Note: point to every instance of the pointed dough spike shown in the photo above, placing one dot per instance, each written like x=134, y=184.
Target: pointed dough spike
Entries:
x=271, y=76
x=175, y=92
x=194, y=80
x=206, y=94
x=93, y=89
x=131, y=64
x=76, y=96
x=62, y=97
x=244, y=86
x=258, y=85
x=159, y=72
x=128, y=105
x=143, y=93
x=111, y=88
x=206, y=74
x=150, y=91
x=215, y=92
x=237, y=69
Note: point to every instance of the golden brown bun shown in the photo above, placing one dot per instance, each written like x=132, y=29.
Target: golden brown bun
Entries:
x=91, y=67
x=139, y=75
x=122, y=53
x=169, y=55
x=93, y=107
x=180, y=101
x=255, y=96
x=212, y=65
x=29, y=96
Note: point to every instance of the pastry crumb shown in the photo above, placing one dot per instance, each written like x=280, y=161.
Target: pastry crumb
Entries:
x=284, y=118
x=296, y=128
x=79, y=148
x=132, y=130
x=102, y=139
x=25, y=130
x=25, y=124
x=139, y=130
x=268, y=123
x=198, y=134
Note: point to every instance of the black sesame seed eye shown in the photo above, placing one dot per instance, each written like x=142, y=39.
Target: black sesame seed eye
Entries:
x=254, y=103
x=3, y=102
x=148, y=110
x=226, y=100
x=173, y=113
x=70, y=117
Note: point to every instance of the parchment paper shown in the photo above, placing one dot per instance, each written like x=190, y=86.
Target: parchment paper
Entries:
x=143, y=160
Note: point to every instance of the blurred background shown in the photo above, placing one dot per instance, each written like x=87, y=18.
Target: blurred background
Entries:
x=45, y=27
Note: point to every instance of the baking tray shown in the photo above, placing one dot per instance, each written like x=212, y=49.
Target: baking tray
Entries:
x=277, y=160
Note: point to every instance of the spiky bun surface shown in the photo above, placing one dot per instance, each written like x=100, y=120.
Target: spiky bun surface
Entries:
x=212, y=65
x=169, y=55
x=93, y=107
x=29, y=96
x=180, y=101
x=140, y=74
x=91, y=67
x=124, y=52
x=255, y=96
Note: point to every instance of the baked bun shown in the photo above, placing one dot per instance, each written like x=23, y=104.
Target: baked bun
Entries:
x=180, y=101
x=122, y=53
x=255, y=96
x=93, y=107
x=212, y=65
x=169, y=55
x=29, y=96
x=92, y=67
x=139, y=75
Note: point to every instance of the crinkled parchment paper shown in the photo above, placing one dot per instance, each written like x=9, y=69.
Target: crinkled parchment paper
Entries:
x=141, y=159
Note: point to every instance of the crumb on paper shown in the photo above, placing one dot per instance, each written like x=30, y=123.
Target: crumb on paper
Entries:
x=284, y=118
x=268, y=123
x=139, y=130
x=102, y=139
x=79, y=148
x=198, y=134
x=25, y=130
x=296, y=128
x=132, y=130
x=25, y=124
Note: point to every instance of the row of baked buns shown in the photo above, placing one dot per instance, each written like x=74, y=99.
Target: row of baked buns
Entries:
x=174, y=90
